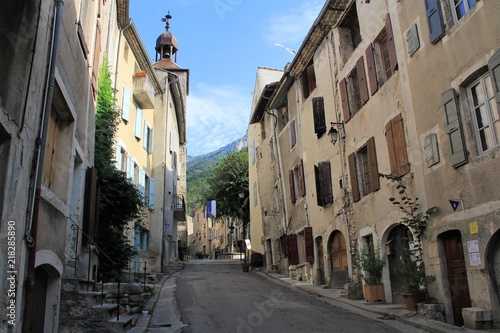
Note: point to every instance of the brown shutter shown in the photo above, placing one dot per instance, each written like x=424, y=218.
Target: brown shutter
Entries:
x=353, y=176
x=308, y=235
x=292, y=186
x=305, y=89
x=302, y=181
x=345, y=100
x=403, y=167
x=372, y=160
x=311, y=78
x=389, y=138
x=319, y=116
x=390, y=42
x=97, y=57
x=327, y=182
x=293, y=253
x=90, y=206
x=372, y=71
x=318, y=176
x=363, y=88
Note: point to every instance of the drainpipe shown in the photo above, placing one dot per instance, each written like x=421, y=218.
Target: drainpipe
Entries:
x=118, y=55
x=31, y=233
x=164, y=200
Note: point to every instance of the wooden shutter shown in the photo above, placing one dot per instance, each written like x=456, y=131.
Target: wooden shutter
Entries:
x=398, y=156
x=83, y=42
x=319, y=115
x=90, y=207
x=363, y=88
x=494, y=67
x=454, y=128
x=435, y=21
x=292, y=186
x=319, y=186
x=293, y=138
x=305, y=89
x=302, y=181
x=372, y=71
x=97, y=57
x=353, y=176
x=293, y=253
x=326, y=171
x=372, y=160
x=308, y=236
x=345, y=100
x=390, y=42
x=311, y=78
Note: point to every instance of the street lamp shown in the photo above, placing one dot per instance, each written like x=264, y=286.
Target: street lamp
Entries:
x=333, y=133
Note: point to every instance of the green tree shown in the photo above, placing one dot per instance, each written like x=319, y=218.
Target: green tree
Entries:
x=119, y=201
x=229, y=180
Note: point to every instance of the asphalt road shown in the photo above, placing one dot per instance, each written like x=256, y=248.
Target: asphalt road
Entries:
x=217, y=296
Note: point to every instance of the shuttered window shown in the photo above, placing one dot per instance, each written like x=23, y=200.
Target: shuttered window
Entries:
x=293, y=137
x=398, y=156
x=391, y=45
x=97, y=58
x=372, y=70
x=319, y=116
x=126, y=104
x=363, y=171
x=293, y=251
x=297, y=182
x=141, y=184
x=454, y=128
x=292, y=186
x=435, y=21
x=363, y=88
x=151, y=200
x=354, y=90
x=308, y=79
x=138, y=123
x=324, y=193
x=345, y=100
x=308, y=237
x=302, y=181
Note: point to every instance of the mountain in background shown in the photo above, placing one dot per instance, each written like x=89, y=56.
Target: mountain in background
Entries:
x=200, y=168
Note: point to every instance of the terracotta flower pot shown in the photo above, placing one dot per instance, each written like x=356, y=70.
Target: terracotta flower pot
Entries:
x=411, y=299
x=374, y=293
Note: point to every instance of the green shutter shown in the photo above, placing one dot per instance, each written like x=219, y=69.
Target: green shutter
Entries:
x=454, y=128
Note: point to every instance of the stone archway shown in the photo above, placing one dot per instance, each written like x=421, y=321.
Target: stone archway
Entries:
x=337, y=250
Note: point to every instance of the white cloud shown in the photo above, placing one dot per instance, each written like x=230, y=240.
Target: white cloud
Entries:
x=216, y=116
x=290, y=26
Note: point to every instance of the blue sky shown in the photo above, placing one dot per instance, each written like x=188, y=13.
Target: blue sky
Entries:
x=222, y=43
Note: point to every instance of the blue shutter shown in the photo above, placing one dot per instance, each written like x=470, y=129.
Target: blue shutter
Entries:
x=138, y=123
x=130, y=167
x=151, y=193
x=118, y=156
x=137, y=238
x=146, y=136
x=435, y=21
x=151, y=140
x=142, y=183
x=126, y=104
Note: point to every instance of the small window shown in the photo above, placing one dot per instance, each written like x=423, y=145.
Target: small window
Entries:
x=484, y=111
x=319, y=116
x=148, y=138
x=431, y=150
x=363, y=171
x=351, y=22
x=354, y=90
x=308, y=79
x=293, y=136
x=297, y=182
x=461, y=7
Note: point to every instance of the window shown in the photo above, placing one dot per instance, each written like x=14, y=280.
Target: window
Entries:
x=484, y=113
x=308, y=79
x=126, y=104
x=297, y=182
x=454, y=128
x=148, y=138
x=141, y=237
x=431, y=150
x=461, y=7
x=293, y=137
x=151, y=193
x=363, y=171
x=381, y=57
x=138, y=123
x=282, y=118
x=141, y=183
x=395, y=138
x=323, y=175
x=351, y=23
x=354, y=91
x=319, y=116
x=121, y=161
x=255, y=194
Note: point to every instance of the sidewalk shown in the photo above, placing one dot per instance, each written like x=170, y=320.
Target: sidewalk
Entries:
x=381, y=310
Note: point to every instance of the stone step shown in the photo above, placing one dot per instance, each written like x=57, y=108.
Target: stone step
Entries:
x=121, y=325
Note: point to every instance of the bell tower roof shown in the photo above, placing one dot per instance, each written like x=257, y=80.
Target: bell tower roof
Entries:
x=166, y=43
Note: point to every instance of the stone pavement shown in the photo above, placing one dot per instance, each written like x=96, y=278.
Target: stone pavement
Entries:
x=381, y=310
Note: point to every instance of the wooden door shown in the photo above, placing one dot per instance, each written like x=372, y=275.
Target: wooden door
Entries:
x=39, y=301
x=321, y=261
x=339, y=260
x=457, y=274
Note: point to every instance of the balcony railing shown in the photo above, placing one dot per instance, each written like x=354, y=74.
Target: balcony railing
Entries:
x=179, y=207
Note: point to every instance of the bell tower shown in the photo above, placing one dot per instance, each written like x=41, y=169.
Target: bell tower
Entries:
x=166, y=43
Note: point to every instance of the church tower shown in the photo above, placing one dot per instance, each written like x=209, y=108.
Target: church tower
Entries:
x=166, y=47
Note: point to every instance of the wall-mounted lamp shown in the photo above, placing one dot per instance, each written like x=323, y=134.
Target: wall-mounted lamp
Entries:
x=333, y=133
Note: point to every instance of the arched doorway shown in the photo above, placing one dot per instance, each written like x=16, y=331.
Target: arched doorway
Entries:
x=457, y=273
x=493, y=263
x=338, y=256
x=397, y=241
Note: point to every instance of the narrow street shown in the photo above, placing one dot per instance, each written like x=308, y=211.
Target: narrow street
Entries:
x=217, y=296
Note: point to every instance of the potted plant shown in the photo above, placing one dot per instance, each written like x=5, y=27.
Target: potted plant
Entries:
x=371, y=264
x=412, y=276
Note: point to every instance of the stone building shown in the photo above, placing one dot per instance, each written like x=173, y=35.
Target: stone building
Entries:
x=392, y=86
